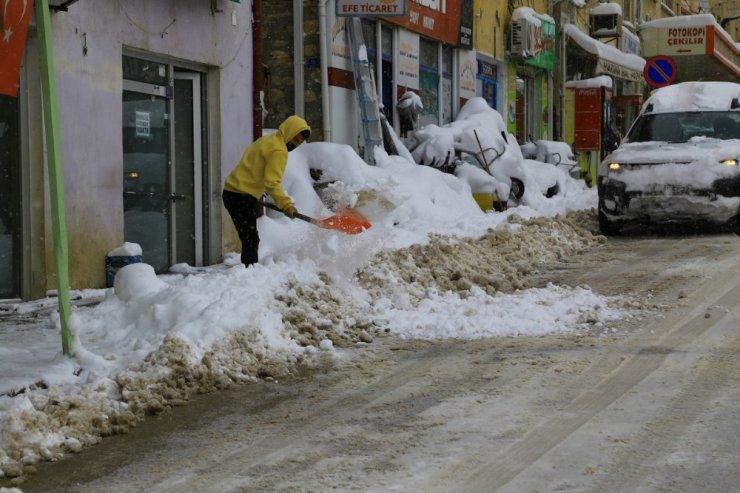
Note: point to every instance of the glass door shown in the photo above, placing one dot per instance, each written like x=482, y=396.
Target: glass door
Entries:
x=10, y=199
x=521, y=110
x=163, y=162
x=146, y=164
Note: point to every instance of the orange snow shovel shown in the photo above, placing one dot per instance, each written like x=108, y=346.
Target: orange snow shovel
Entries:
x=349, y=221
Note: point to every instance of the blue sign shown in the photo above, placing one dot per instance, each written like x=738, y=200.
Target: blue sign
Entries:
x=660, y=71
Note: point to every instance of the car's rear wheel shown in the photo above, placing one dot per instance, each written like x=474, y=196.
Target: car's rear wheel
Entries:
x=607, y=226
x=517, y=188
x=552, y=191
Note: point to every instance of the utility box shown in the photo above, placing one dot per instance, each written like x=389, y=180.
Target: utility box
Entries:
x=589, y=109
x=590, y=123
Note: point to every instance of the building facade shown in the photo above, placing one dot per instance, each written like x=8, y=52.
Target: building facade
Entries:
x=159, y=99
x=155, y=106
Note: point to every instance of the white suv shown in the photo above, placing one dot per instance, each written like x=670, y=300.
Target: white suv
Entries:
x=678, y=162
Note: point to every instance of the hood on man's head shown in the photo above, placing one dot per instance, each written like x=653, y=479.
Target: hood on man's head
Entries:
x=292, y=126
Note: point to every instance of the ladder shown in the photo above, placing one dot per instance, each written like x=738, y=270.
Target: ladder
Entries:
x=367, y=97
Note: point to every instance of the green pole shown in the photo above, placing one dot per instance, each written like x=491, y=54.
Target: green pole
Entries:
x=54, y=160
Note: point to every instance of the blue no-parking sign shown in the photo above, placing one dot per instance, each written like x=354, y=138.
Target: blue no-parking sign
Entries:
x=660, y=71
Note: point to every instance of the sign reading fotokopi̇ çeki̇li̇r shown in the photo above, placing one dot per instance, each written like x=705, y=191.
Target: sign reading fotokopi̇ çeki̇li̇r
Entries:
x=371, y=8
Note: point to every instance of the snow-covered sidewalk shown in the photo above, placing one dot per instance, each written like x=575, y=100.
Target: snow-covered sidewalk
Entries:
x=432, y=265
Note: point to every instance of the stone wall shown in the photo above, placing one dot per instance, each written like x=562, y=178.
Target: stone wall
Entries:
x=312, y=78
x=278, y=52
x=277, y=45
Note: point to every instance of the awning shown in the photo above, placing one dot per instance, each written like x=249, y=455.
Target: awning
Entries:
x=608, y=59
x=700, y=47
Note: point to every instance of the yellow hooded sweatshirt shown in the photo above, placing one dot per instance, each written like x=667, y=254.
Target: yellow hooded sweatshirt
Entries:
x=263, y=164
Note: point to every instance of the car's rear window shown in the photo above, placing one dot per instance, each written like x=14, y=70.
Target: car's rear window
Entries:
x=681, y=127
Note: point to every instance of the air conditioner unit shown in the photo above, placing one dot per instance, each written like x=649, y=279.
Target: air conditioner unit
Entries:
x=605, y=26
x=522, y=38
x=605, y=20
x=518, y=39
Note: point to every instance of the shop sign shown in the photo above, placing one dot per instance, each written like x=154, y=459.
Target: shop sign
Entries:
x=339, y=48
x=687, y=40
x=466, y=25
x=629, y=43
x=143, y=124
x=608, y=67
x=467, y=69
x=371, y=8
x=408, y=59
x=435, y=19
x=543, y=41
x=486, y=70
x=677, y=40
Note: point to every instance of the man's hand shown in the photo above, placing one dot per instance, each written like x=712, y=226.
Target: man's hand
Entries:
x=290, y=211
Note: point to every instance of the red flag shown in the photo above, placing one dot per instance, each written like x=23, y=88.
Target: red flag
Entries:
x=15, y=15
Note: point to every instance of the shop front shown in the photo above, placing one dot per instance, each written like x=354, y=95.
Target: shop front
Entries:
x=425, y=51
x=438, y=28
x=529, y=81
x=605, y=81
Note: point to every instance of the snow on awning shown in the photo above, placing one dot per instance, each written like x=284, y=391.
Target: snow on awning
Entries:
x=610, y=60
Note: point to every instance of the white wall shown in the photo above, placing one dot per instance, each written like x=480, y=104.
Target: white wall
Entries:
x=90, y=91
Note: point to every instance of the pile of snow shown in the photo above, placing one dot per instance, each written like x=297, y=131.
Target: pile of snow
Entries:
x=433, y=265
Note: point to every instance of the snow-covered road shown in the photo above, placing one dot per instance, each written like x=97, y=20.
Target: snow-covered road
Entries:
x=650, y=405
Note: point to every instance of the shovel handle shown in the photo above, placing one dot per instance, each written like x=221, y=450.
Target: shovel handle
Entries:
x=297, y=214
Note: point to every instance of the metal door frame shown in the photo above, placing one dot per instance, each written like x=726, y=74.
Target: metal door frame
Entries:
x=195, y=77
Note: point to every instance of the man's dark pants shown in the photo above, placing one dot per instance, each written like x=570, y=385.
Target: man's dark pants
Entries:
x=243, y=211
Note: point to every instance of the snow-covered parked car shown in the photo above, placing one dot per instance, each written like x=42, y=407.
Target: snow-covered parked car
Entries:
x=558, y=153
x=678, y=162
x=478, y=139
x=554, y=152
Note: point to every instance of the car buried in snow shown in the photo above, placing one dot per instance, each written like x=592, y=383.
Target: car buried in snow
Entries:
x=678, y=163
x=478, y=138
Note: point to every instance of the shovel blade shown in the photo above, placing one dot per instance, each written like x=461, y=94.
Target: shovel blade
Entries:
x=350, y=222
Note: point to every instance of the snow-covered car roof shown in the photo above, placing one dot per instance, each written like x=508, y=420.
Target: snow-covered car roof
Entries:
x=694, y=96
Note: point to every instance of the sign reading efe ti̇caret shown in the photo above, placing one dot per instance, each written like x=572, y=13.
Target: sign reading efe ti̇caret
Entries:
x=371, y=8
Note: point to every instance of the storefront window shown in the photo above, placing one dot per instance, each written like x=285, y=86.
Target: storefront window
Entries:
x=446, y=102
x=627, y=8
x=429, y=81
x=368, y=35
x=386, y=41
x=488, y=88
x=147, y=71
